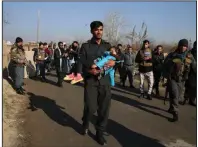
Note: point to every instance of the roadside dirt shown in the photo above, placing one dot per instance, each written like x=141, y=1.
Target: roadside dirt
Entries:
x=13, y=117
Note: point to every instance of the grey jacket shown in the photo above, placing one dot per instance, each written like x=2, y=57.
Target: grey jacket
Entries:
x=129, y=59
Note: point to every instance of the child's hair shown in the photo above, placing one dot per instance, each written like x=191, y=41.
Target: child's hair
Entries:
x=112, y=47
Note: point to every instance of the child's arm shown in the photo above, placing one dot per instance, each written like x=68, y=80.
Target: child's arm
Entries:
x=105, y=60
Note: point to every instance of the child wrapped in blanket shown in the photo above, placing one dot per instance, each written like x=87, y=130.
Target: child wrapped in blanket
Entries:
x=100, y=64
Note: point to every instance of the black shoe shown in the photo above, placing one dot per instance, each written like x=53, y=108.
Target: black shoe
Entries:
x=175, y=117
x=170, y=110
x=141, y=95
x=149, y=97
x=43, y=80
x=183, y=102
x=85, y=131
x=192, y=103
x=19, y=91
x=22, y=89
x=100, y=138
x=59, y=84
x=132, y=86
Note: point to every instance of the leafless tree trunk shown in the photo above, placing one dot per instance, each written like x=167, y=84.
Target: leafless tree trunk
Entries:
x=137, y=38
x=5, y=18
x=112, y=27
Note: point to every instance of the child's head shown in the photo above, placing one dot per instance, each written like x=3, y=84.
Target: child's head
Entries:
x=113, y=50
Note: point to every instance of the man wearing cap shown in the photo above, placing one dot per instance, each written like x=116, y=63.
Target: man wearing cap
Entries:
x=176, y=69
x=191, y=83
x=97, y=91
x=18, y=58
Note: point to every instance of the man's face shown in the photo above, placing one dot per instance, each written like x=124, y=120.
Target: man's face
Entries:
x=20, y=44
x=45, y=46
x=97, y=32
x=75, y=45
x=183, y=48
x=41, y=47
x=159, y=50
x=61, y=45
x=146, y=45
x=130, y=50
x=120, y=47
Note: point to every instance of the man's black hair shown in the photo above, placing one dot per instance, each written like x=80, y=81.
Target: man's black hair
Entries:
x=146, y=41
x=60, y=43
x=18, y=40
x=40, y=43
x=159, y=46
x=96, y=24
x=44, y=43
x=75, y=42
x=119, y=45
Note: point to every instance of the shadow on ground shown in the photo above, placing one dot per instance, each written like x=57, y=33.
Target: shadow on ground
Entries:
x=138, y=105
x=53, y=111
x=126, y=137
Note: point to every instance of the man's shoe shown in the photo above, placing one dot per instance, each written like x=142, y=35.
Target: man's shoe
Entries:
x=132, y=86
x=85, y=131
x=19, y=91
x=141, y=95
x=149, y=97
x=175, y=117
x=43, y=80
x=192, y=103
x=100, y=138
x=170, y=110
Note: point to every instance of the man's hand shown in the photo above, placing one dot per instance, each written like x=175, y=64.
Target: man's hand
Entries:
x=111, y=63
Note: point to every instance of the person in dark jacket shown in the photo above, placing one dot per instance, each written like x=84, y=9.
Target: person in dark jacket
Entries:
x=97, y=91
x=144, y=59
x=60, y=56
x=191, y=83
x=158, y=59
x=176, y=69
x=39, y=59
x=128, y=66
x=118, y=66
x=75, y=76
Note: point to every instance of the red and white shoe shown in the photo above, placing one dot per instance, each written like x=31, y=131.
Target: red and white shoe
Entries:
x=69, y=77
x=77, y=79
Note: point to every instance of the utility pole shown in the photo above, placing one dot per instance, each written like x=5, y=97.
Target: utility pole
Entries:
x=38, y=24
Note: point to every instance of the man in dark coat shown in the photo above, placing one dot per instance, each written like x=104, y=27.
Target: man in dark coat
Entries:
x=60, y=56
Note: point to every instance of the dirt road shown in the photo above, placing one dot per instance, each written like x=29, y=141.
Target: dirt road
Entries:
x=55, y=120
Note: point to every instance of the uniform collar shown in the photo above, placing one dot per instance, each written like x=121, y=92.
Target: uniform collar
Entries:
x=94, y=41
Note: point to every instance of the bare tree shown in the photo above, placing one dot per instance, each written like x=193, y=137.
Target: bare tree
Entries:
x=5, y=18
x=135, y=37
x=113, y=24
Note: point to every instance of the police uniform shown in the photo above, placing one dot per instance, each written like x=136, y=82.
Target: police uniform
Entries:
x=97, y=92
x=39, y=58
x=177, y=67
x=18, y=61
x=146, y=70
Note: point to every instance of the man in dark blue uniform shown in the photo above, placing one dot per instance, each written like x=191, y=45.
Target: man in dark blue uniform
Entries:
x=97, y=91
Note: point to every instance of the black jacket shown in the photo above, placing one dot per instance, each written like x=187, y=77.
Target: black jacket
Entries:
x=57, y=58
x=158, y=62
x=89, y=52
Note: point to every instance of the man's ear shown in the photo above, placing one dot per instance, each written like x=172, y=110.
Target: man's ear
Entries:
x=91, y=31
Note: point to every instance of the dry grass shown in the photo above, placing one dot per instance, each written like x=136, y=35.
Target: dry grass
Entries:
x=13, y=109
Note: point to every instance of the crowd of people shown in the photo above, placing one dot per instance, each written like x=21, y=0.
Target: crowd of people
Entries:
x=96, y=63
